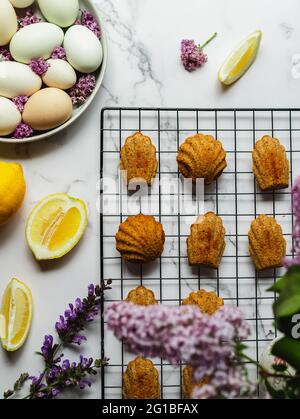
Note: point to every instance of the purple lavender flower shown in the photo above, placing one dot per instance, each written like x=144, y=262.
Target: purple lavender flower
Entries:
x=59, y=53
x=5, y=55
x=39, y=66
x=20, y=102
x=22, y=131
x=192, y=55
x=296, y=230
x=87, y=19
x=29, y=19
x=82, y=89
x=184, y=334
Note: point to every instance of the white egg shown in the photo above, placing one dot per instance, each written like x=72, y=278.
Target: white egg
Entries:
x=10, y=117
x=21, y=4
x=17, y=79
x=83, y=49
x=8, y=22
x=36, y=41
x=61, y=12
x=60, y=75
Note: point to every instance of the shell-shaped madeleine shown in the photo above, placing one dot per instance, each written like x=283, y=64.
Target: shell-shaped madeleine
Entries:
x=140, y=239
x=201, y=157
x=267, y=244
x=141, y=380
x=188, y=384
x=141, y=296
x=208, y=302
x=270, y=164
x=206, y=243
x=138, y=158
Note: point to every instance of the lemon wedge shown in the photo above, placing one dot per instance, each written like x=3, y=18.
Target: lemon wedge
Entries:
x=55, y=226
x=241, y=59
x=15, y=315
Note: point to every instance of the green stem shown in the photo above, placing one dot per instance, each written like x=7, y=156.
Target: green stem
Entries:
x=208, y=41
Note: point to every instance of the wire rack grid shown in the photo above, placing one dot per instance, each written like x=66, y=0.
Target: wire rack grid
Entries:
x=234, y=196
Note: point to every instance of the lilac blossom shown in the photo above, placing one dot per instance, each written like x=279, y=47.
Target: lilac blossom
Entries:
x=20, y=102
x=192, y=55
x=39, y=66
x=22, y=131
x=82, y=89
x=296, y=229
x=5, y=55
x=87, y=19
x=184, y=334
x=59, y=53
x=29, y=19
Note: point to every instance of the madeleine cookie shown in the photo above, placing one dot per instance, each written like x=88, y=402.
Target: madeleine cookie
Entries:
x=206, y=243
x=141, y=380
x=188, y=384
x=208, y=302
x=270, y=164
x=140, y=239
x=142, y=296
x=138, y=158
x=201, y=157
x=267, y=245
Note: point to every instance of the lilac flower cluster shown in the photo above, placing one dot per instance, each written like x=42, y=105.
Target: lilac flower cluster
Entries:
x=39, y=66
x=20, y=102
x=29, y=19
x=5, y=55
x=192, y=56
x=59, y=53
x=82, y=89
x=22, y=131
x=184, y=334
x=87, y=19
x=296, y=230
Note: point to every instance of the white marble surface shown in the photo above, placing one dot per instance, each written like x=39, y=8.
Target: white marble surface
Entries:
x=143, y=70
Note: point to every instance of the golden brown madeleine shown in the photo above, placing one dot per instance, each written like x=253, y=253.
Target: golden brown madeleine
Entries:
x=270, y=164
x=138, y=158
x=201, y=157
x=208, y=302
x=141, y=380
x=188, y=385
x=206, y=243
x=267, y=245
x=140, y=239
x=142, y=296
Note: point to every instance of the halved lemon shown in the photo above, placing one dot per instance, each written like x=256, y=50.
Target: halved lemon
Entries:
x=55, y=226
x=240, y=60
x=16, y=315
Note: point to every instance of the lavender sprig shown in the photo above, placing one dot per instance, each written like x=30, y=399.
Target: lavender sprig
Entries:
x=60, y=373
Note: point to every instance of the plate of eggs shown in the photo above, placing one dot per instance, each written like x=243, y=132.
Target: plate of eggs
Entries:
x=53, y=56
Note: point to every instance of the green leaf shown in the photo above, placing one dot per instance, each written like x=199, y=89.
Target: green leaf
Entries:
x=288, y=349
x=287, y=305
x=280, y=368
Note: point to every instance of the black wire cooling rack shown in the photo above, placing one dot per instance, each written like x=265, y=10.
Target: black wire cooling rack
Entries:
x=234, y=196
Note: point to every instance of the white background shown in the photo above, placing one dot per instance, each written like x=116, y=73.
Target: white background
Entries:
x=144, y=70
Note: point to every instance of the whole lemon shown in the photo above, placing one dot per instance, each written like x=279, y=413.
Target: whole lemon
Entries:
x=12, y=190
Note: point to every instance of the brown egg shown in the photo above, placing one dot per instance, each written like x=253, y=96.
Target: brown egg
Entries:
x=47, y=109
